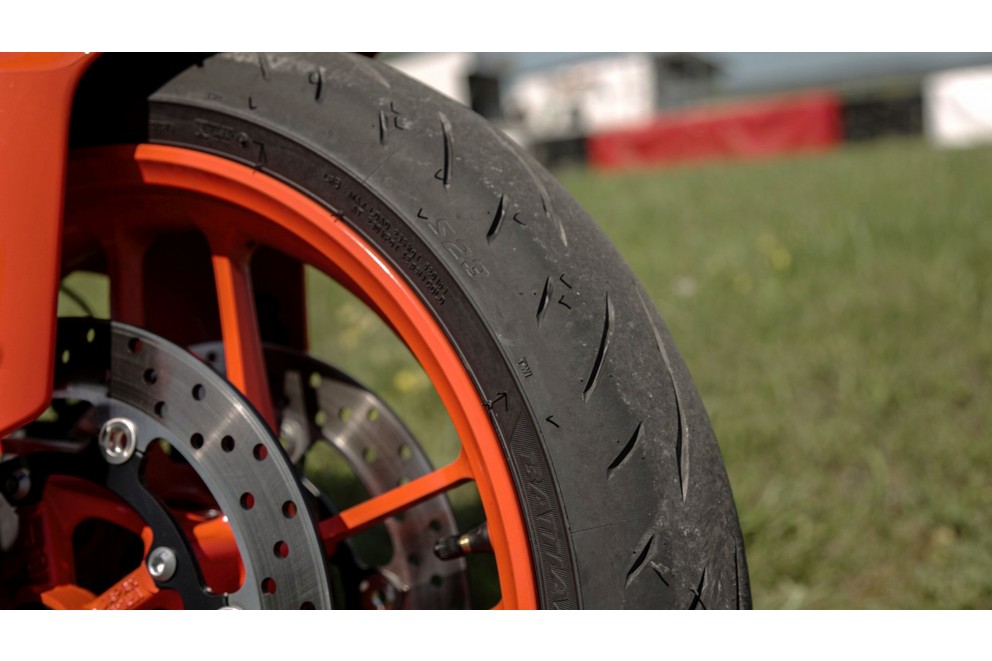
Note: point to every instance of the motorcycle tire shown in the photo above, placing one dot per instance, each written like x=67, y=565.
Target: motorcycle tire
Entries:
x=620, y=482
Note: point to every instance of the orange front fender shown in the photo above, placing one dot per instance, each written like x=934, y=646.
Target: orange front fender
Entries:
x=36, y=91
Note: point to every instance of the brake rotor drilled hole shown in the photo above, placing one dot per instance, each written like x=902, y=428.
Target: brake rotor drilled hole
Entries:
x=413, y=559
x=150, y=376
x=315, y=380
x=281, y=549
x=247, y=501
x=320, y=419
x=405, y=452
x=161, y=409
x=289, y=509
x=368, y=454
x=90, y=335
x=260, y=452
x=373, y=414
x=344, y=414
x=134, y=345
x=227, y=444
x=268, y=586
x=307, y=606
x=196, y=441
x=435, y=525
x=437, y=581
x=65, y=357
x=199, y=392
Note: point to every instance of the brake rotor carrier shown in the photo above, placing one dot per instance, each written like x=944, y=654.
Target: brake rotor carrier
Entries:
x=167, y=394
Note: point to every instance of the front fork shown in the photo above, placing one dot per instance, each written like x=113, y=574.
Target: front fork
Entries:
x=36, y=92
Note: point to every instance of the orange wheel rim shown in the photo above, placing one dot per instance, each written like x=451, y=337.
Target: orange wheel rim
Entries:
x=237, y=208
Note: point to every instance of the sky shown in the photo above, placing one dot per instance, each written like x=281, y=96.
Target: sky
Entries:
x=752, y=71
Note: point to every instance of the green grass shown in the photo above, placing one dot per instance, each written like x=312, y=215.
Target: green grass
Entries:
x=835, y=313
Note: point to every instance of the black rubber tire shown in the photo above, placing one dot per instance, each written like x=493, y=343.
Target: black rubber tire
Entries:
x=624, y=492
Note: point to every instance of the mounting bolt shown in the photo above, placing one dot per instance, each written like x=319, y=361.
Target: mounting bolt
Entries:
x=292, y=436
x=118, y=439
x=18, y=484
x=162, y=564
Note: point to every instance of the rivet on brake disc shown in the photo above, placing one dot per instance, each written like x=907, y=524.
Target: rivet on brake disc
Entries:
x=162, y=564
x=118, y=439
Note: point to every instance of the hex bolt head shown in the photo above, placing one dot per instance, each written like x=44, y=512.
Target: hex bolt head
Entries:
x=290, y=433
x=162, y=564
x=18, y=484
x=118, y=440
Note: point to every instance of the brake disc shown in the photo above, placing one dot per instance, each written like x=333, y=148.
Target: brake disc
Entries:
x=318, y=404
x=163, y=393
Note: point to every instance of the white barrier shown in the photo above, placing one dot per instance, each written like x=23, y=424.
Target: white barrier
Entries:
x=957, y=107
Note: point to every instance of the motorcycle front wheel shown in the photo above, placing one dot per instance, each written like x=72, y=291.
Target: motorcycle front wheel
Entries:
x=600, y=479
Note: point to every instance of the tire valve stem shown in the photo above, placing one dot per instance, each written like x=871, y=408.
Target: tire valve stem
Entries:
x=456, y=546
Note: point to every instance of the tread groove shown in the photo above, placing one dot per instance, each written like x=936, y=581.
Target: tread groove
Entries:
x=657, y=570
x=680, y=450
x=621, y=458
x=541, y=188
x=383, y=127
x=639, y=562
x=542, y=308
x=449, y=153
x=682, y=437
x=551, y=215
x=697, y=594
x=316, y=78
x=604, y=344
x=497, y=219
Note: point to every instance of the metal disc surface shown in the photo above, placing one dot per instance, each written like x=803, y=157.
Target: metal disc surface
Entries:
x=169, y=395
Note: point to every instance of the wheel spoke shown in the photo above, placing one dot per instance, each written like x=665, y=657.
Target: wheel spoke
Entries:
x=218, y=555
x=374, y=510
x=125, y=263
x=239, y=326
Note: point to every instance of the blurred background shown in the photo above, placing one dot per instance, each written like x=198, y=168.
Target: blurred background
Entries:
x=816, y=230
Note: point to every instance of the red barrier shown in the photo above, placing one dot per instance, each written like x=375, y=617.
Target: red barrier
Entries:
x=741, y=130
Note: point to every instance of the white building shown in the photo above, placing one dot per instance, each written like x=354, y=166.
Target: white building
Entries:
x=581, y=98
x=568, y=99
x=448, y=73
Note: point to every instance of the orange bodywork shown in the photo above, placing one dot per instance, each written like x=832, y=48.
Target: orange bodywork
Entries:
x=36, y=91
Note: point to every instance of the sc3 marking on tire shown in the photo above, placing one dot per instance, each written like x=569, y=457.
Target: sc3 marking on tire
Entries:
x=460, y=253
